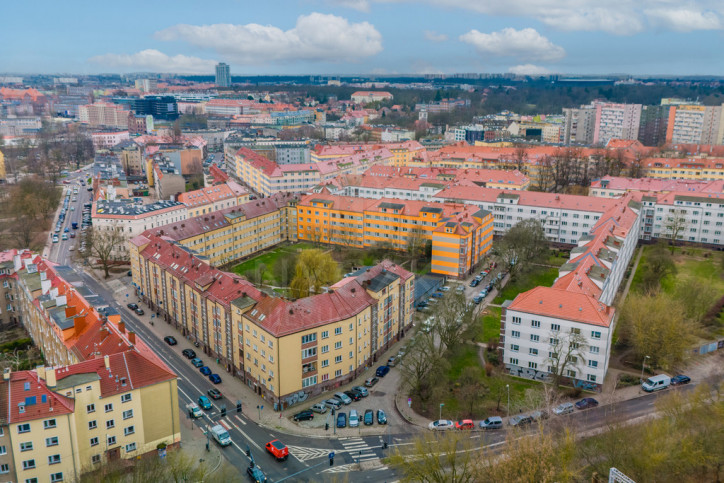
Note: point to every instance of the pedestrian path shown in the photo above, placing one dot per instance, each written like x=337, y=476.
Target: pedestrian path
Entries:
x=358, y=449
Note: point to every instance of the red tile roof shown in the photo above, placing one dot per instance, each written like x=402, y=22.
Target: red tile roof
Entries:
x=26, y=389
x=563, y=304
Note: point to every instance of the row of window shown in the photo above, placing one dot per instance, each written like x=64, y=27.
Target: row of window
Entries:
x=551, y=369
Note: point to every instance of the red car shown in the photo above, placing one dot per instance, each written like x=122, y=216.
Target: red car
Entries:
x=278, y=450
x=464, y=424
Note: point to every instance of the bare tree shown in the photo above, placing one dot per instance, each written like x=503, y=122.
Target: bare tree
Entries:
x=416, y=246
x=523, y=243
x=544, y=179
x=675, y=225
x=566, y=353
x=455, y=321
x=520, y=158
x=104, y=244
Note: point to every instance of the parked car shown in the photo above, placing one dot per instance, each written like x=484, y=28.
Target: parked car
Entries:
x=492, y=422
x=341, y=420
x=441, y=424
x=188, y=353
x=444, y=289
x=170, y=340
x=563, y=408
x=215, y=378
x=438, y=295
x=382, y=371
x=381, y=417
x=484, y=293
x=478, y=298
x=520, y=420
x=460, y=289
x=333, y=403
x=132, y=306
x=371, y=381
x=369, y=418
x=475, y=282
x=656, y=383
x=214, y=393
x=255, y=473
x=278, y=450
x=464, y=424
x=353, y=418
x=353, y=395
x=539, y=415
x=197, y=362
x=361, y=390
x=205, y=370
x=391, y=362
x=680, y=379
x=204, y=403
x=305, y=415
x=320, y=408
x=343, y=397
x=586, y=402
x=139, y=311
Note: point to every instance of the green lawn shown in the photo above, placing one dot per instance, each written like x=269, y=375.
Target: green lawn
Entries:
x=268, y=259
x=539, y=275
x=491, y=324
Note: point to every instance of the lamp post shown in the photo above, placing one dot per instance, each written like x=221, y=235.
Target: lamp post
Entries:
x=643, y=364
x=441, y=405
x=507, y=387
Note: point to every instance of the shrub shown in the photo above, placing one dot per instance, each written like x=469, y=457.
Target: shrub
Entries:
x=574, y=392
x=625, y=380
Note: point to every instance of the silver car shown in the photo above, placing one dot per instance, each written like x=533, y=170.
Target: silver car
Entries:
x=319, y=408
x=333, y=403
x=564, y=408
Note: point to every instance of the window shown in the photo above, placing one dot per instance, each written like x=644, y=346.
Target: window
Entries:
x=92, y=424
x=571, y=373
x=130, y=447
x=513, y=361
x=54, y=459
x=594, y=349
x=31, y=480
x=534, y=338
x=56, y=477
x=24, y=428
x=325, y=363
x=3, y=450
x=96, y=458
x=129, y=430
x=4, y=468
x=555, y=327
x=325, y=334
x=309, y=381
x=53, y=441
x=312, y=351
x=338, y=331
x=554, y=342
x=28, y=464
x=516, y=320
x=338, y=345
x=309, y=338
x=338, y=373
x=515, y=334
x=325, y=349
x=533, y=352
x=109, y=407
x=128, y=414
x=110, y=424
x=26, y=447
x=49, y=424
x=111, y=440
x=592, y=363
x=532, y=365
x=514, y=347
x=595, y=334
x=126, y=397
x=91, y=408
x=591, y=378
x=575, y=331
x=94, y=441
x=338, y=359
x=535, y=324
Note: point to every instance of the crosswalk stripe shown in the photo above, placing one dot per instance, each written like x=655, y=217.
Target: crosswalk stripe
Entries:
x=225, y=424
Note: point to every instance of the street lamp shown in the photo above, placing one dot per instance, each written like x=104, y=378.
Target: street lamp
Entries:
x=441, y=405
x=643, y=364
x=507, y=387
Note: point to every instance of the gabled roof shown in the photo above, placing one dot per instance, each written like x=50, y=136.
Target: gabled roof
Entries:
x=563, y=304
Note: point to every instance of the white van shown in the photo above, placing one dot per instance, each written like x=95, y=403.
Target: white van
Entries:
x=655, y=383
x=221, y=435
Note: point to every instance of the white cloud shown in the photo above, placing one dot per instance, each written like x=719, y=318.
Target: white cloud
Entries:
x=155, y=61
x=359, y=5
x=522, y=44
x=433, y=36
x=683, y=19
x=528, y=69
x=316, y=37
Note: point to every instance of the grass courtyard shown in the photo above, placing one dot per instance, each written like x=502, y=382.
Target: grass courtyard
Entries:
x=267, y=260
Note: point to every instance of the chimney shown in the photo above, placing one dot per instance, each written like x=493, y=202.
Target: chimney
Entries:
x=122, y=326
x=50, y=380
x=107, y=362
x=132, y=337
x=40, y=370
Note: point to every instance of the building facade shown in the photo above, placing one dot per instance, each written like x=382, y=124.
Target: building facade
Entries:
x=223, y=75
x=213, y=198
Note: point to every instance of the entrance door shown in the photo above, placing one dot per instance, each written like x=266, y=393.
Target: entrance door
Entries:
x=114, y=454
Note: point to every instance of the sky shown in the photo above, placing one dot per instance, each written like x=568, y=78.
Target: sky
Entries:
x=339, y=37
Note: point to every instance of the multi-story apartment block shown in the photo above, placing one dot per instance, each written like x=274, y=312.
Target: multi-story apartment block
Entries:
x=653, y=124
x=223, y=75
x=579, y=126
x=402, y=153
x=694, y=124
x=8, y=305
x=239, y=231
x=104, y=114
x=614, y=186
x=573, y=320
x=460, y=235
x=213, y=198
x=108, y=139
x=616, y=121
x=130, y=155
x=326, y=339
x=365, y=97
x=689, y=168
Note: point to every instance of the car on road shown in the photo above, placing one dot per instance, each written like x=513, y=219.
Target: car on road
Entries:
x=170, y=340
x=478, y=298
x=197, y=362
x=72, y=235
x=66, y=230
x=55, y=238
x=361, y=390
x=464, y=424
x=333, y=403
x=205, y=370
x=319, y=408
x=343, y=397
x=204, y=402
x=382, y=371
x=277, y=449
x=391, y=362
x=492, y=422
x=214, y=393
x=305, y=415
x=188, y=353
x=194, y=410
x=353, y=418
x=586, y=402
x=444, y=289
x=460, y=289
x=353, y=395
x=215, y=378
x=563, y=408
x=369, y=417
x=139, y=311
x=64, y=237
x=484, y=292
x=381, y=417
x=539, y=415
x=341, y=420
x=680, y=379
x=520, y=420
x=371, y=381
x=441, y=424
x=132, y=306
x=256, y=474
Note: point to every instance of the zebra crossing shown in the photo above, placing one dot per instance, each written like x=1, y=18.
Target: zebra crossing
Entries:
x=358, y=449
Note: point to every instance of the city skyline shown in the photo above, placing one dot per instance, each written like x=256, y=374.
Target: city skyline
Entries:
x=338, y=37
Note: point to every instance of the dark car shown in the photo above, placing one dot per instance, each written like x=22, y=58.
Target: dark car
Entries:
x=256, y=474
x=139, y=311
x=214, y=393
x=341, y=420
x=353, y=395
x=478, y=298
x=422, y=304
x=369, y=417
x=205, y=370
x=132, y=306
x=382, y=371
x=586, y=402
x=305, y=415
x=188, y=353
x=170, y=340
x=381, y=417
x=475, y=283
x=680, y=379
x=215, y=378
x=438, y=295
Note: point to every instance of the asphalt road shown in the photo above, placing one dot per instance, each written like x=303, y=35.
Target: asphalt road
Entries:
x=60, y=252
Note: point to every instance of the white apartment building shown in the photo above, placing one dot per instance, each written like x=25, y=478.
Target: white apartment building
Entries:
x=616, y=121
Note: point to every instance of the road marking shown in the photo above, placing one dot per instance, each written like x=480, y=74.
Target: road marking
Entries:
x=240, y=420
x=225, y=424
